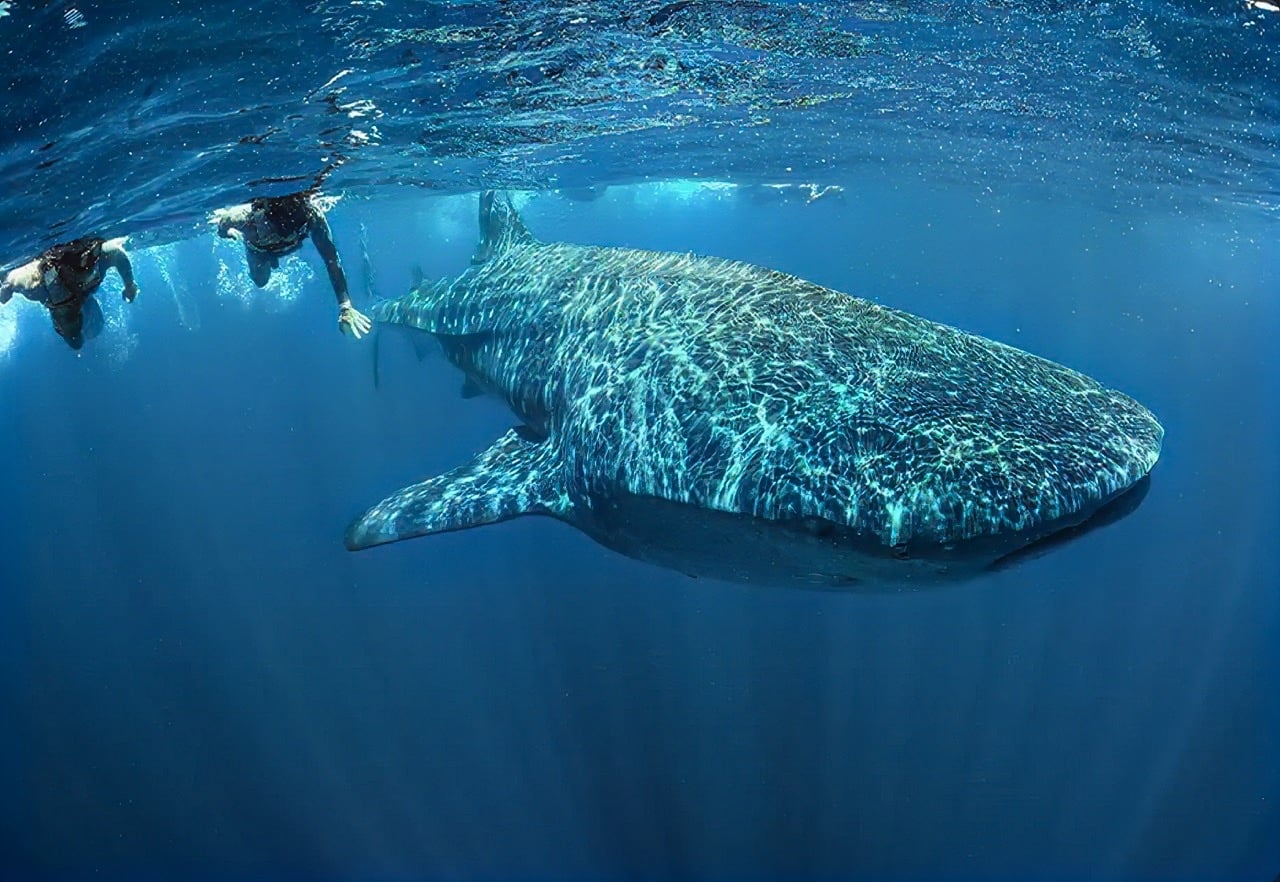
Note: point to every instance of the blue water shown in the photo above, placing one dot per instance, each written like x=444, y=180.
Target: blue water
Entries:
x=198, y=681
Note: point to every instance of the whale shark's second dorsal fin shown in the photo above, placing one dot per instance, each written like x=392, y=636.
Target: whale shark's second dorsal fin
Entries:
x=518, y=475
x=501, y=228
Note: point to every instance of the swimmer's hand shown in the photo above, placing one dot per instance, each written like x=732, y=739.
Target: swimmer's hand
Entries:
x=352, y=321
x=130, y=292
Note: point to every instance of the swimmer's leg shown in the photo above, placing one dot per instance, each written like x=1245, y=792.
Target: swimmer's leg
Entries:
x=259, y=267
x=92, y=319
x=69, y=323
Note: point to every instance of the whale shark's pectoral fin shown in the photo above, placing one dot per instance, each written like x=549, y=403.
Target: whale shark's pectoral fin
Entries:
x=471, y=389
x=516, y=476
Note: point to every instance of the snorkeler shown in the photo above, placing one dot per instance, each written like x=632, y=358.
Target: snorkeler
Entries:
x=64, y=278
x=272, y=227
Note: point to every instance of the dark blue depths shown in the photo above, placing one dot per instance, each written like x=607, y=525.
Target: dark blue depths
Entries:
x=200, y=681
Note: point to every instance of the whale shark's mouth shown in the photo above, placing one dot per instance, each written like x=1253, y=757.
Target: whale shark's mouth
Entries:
x=1120, y=506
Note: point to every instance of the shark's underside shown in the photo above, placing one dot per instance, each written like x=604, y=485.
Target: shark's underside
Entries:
x=724, y=419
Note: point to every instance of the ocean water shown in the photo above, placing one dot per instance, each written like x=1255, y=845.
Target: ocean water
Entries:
x=197, y=680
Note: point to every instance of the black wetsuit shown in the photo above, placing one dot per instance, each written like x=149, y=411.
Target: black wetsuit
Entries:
x=276, y=226
x=75, y=265
x=289, y=220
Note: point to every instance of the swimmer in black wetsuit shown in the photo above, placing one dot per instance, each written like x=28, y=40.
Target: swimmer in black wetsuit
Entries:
x=64, y=279
x=272, y=227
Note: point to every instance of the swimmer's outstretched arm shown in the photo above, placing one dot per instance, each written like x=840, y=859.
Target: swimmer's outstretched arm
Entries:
x=318, y=227
x=229, y=220
x=23, y=280
x=350, y=320
x=114, y=255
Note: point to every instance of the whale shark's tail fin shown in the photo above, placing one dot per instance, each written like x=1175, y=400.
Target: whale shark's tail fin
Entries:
x=501, y=228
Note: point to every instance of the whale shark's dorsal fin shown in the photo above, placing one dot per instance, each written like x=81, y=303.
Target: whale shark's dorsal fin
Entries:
x=516, y=476
x=501, y=228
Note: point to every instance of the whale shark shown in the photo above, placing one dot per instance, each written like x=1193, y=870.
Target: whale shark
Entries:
x=727, y=420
